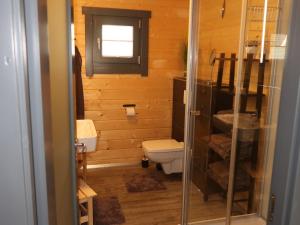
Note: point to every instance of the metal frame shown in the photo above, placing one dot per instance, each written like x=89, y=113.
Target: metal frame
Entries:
x=271, y=116
x=286, y=179
x=16, y=169
x=282, y=164
x=40, y=99
x=39, y=83
x=72, y=112
x=285, y=182
x=190, y=106
x=287, y=163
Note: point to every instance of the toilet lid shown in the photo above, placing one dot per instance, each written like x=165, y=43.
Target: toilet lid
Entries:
x=166, y=145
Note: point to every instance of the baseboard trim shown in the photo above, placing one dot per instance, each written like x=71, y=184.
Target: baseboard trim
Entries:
x=111, y=165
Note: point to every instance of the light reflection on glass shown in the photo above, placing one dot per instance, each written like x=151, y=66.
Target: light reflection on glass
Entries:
x=117, y=41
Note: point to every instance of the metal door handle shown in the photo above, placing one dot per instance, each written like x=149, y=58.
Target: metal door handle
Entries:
x=272, y=208
x=99, y=44
x=80, y=146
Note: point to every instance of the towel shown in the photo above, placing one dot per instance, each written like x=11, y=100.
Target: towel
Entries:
x=77, y=63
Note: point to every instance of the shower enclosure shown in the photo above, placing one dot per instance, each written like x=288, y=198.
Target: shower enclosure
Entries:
x=234, y=79
x=234, y=89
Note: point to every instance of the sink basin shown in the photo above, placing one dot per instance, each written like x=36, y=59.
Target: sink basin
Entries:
x=86, y=133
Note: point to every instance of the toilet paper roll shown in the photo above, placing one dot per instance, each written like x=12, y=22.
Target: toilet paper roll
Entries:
x=130, y=111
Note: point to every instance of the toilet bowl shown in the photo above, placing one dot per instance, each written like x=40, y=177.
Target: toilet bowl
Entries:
x=167, y=152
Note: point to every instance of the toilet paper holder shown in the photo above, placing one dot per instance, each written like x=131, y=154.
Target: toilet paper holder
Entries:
x=129, y=105
x=130, y=110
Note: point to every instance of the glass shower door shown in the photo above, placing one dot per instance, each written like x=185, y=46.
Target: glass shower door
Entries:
x=263, y=43
x=210, y=89
x=233, y=97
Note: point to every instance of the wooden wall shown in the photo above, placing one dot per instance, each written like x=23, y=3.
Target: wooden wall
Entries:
x=119, y=138
x=217, y=33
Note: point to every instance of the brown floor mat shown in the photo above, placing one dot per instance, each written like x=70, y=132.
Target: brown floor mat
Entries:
x=108, y=211
x=144, y=182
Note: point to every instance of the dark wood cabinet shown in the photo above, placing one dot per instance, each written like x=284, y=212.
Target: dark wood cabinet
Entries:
x=178, y=109
x=209, y=101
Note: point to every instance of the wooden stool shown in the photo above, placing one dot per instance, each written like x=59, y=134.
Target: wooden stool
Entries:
x=85, y=196
x=81, y=162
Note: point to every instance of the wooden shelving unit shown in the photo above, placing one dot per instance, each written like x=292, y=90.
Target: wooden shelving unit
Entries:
x=248, y=129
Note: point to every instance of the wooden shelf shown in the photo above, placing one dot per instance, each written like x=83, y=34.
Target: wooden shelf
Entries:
x=219, y=173
x=220, y=144
x=248, y=125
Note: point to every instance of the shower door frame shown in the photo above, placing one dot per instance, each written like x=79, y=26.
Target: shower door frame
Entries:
x=287, y=193
x=286, y=169
x=191, y=111
x=190, y=105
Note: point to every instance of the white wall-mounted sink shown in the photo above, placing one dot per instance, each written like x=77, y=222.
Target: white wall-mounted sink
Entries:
x=86, y=133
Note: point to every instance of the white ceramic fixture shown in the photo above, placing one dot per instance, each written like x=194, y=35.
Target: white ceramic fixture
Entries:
x=167, y=152
x=86, y=133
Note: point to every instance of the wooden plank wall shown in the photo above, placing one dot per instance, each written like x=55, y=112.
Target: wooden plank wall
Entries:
x=119, y=138
x=217, y=33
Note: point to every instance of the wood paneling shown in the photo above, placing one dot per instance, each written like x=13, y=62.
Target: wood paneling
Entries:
x=119, y=138
x=217, y=33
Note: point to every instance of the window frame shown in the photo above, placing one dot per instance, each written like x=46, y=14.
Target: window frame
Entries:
x=95, y=62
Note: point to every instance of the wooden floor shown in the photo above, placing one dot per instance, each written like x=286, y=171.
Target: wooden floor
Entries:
x=155, y=207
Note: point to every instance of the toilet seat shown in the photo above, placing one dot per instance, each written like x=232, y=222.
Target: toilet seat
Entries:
x=166, y=145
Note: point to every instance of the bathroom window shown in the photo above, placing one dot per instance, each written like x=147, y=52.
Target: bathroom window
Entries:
x=116, y=41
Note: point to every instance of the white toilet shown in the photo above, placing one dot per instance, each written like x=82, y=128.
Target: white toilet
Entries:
x=167, y=152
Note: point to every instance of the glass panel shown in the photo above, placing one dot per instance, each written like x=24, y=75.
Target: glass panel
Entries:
x=207, y=200
x=117, y=33
x=117, y=41
x=238, y=97
x=257, y=100
x=117, y=49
